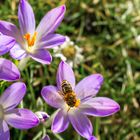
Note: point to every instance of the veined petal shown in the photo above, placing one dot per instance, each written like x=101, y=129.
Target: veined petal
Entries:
x=65, y=72
x=51, y=40
x=8, y=70
x=17, y=52
x=12, y=95
x=50, y=21
x=6, y=43
x=51, y=96
x=81, y=124
x=99, y=106
x=4, y=131
x=26, y=17
x=21, y=118
x=89, y=86
x=42, y=56
x=60, y=122
x=10, y=29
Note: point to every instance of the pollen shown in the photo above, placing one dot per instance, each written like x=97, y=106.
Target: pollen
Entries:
x=77, y=103
x=30, y=39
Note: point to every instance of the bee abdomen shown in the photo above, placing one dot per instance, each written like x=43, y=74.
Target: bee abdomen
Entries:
x=70, y=99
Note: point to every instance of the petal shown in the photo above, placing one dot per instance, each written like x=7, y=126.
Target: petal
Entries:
x=6, y=43
x=21, y=118
x=42, y=56
x=4, y=131
x=26, y=17
x=17, y=52
x=8, y=70
x=43, y=116
x=10, y=29
x=60, y=122
x=81, y=124
x=89, y=86
x=51, y=21
x=51, y=96
x=51, y=40
x=46, y=138
x=99, y=106
x=65, y=72
x=13, y=95
x=92, y=138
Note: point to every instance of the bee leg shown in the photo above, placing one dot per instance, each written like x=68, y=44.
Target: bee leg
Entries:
x=61, y=93
x=68, y=109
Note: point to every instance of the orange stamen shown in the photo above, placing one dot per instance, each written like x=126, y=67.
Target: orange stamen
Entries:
x=30, y=40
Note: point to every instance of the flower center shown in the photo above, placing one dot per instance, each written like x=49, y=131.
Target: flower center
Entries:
x=30, y=39
x=1, y=112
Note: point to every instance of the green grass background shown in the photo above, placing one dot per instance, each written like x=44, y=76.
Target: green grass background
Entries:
x=107, y=31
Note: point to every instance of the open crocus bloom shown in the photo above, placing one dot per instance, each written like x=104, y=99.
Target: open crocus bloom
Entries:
x=34, y=42
x=6, y=43
x=8, y=70
x=75, y=111
x=15, y=117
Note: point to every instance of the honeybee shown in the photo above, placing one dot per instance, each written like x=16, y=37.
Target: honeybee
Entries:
x=69, y=95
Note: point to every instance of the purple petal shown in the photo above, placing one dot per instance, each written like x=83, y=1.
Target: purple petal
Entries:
x=21, y=118
x=92, y=138
x=26, y=17
x=42, y=56
x=60, y=122
x=89, y=86
x=43, y=116
x=13, y=95
x=51, y=96
x=17, y=52
x=99, y=106
x=8, y=70
x=6, y=43
x=81, y=124
x=4, y=131
x=10, y=29
x=46, y=138
x=65, y=72
x=51, y=40
x=51, y=21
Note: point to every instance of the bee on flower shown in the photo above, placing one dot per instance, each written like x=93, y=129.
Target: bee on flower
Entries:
x=69, y=52
x=75, y=102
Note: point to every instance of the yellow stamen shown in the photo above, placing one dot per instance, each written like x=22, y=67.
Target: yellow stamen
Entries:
x=30, y=40
x=77, y=103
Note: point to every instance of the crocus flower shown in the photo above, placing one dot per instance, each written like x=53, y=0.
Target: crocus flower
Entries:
x=15, y=117
x=34, y=42
x=6, y=43
x=85, y=103
x=8, y=70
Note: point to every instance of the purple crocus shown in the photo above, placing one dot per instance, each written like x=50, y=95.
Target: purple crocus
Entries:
x=8, y=70
x=81, y=102
x=34, y=42
x=15, y=117
x=6, y=43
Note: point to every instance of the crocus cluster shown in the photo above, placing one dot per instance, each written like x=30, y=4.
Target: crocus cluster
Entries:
x=73, y=102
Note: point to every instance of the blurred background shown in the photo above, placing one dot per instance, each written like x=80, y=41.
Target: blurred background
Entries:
x=103, y=37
